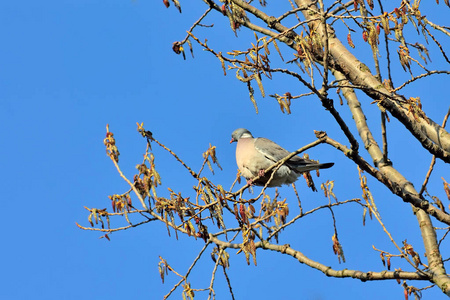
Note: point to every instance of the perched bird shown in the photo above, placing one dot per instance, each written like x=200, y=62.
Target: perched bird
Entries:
x=254, y=155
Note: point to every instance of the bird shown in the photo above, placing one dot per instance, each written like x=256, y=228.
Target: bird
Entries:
x=254, y=155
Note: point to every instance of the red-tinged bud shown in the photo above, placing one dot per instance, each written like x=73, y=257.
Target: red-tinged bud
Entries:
x=446, y=188
x=236, y=213
x=251, y=209
x=242, y=212
x=224, y=9
x=166, y=3
x=349, y=41
x=378, y=28
x=188, y=229
x=365, y=36
x=355, y=4
x=397, y=12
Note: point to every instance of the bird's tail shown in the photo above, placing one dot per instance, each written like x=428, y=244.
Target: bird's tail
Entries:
x=311, y=167
x=325, y=165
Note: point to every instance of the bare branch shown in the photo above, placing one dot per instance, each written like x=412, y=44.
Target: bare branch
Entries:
x=363, y=276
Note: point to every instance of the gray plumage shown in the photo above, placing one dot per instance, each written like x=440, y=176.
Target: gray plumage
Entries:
x=254, y=155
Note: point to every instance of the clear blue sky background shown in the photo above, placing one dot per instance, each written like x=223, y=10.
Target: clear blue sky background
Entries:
x=67, y=68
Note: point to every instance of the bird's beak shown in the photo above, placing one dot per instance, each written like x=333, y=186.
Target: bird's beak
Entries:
x=232, y=140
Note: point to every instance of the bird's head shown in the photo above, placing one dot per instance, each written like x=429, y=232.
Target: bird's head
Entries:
x=240, y=133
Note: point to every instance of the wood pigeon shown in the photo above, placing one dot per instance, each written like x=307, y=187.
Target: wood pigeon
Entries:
x=254, y=155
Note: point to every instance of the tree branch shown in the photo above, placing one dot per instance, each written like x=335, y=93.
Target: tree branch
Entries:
x=433, y=137
x=395, y=188
x=345, y=273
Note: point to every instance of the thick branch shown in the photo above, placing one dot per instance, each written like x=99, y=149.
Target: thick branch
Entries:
x=432, y=136
x=394, y=187
x=428, y=233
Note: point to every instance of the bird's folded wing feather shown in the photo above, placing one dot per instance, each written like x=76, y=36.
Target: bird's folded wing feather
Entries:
x=270, y=149
x=275, y=152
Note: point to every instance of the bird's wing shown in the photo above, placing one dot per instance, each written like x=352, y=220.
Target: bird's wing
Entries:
x=270, y=150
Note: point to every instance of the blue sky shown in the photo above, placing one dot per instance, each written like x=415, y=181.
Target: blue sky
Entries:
x=68, y=68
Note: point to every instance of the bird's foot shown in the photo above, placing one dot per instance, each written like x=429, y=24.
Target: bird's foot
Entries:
x=261, y=173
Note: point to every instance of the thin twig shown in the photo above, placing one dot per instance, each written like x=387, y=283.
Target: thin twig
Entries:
x=298, y=199
x=177, y=158
x=213, y=275
x=228, y=282
x=196, y=23
x=443, y=237
x=188, y=271
x=308, y=213
x=433, y=159
x=115, y=229
x=384, y=134
x=130, y=184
